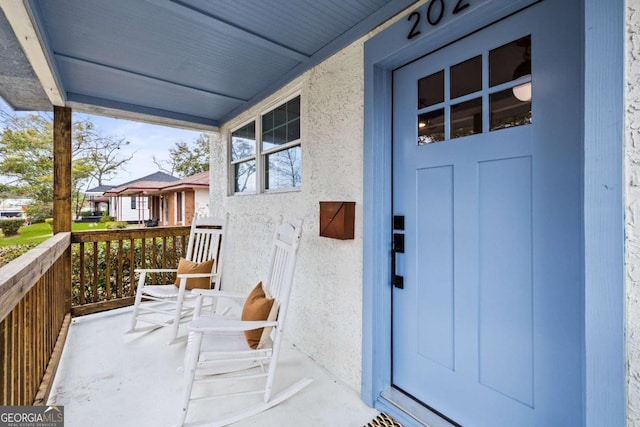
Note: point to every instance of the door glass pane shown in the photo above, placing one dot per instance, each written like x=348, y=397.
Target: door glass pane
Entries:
x=466, y=77
x=508, y=111
x=245, y=177
x=510, y=61
x=283, y=169
x=431, y=127
x=431, y=90
x=466, y=118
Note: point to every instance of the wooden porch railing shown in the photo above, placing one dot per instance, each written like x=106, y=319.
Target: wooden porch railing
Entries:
x=34, y=318
x=102, y=261
x=37, y=300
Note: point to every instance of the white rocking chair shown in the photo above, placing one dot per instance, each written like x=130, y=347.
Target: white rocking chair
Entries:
x=218, y=351
x=168, y=305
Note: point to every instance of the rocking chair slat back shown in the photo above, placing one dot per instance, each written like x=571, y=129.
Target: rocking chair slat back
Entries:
x=281, y=267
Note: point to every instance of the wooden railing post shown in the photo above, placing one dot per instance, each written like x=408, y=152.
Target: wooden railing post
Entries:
x=62, y=187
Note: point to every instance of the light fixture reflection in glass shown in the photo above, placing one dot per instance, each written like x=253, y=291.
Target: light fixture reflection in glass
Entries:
x=523, y=92
x=422, y=125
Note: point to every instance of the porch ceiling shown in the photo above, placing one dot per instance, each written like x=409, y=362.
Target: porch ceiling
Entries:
x=190, y=62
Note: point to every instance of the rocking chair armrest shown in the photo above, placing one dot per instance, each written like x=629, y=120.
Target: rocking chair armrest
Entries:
x=202, y=324
x=213, y=293
x=192, y=275
x=155, y=270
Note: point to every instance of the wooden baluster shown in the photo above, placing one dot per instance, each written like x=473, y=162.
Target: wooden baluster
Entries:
x=132, y=256
x=154, y=262
x=83, y=300
x=94, y=285
x=143, y=253
x=5, y=374
x=164, y=259
x=119, y=274
x=107, y=270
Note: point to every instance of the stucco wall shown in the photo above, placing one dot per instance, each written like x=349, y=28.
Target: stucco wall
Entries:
x=325, y=315
x=633, y=210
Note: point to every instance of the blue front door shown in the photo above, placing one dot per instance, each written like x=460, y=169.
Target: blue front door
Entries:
x=487, y=326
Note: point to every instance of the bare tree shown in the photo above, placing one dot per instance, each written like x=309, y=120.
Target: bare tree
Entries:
x=26, y=156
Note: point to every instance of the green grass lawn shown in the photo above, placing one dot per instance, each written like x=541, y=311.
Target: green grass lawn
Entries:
x=38, y=233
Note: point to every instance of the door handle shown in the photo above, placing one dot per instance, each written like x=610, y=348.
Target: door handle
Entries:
x=398, y=243
x=397, y=248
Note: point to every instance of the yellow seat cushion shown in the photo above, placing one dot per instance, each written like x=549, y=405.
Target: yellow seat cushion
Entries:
x=190, y=267
x=257, y=307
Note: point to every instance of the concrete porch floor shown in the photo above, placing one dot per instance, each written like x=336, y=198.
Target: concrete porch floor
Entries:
x=109, y=378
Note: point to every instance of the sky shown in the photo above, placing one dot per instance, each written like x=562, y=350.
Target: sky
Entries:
x=146, y=141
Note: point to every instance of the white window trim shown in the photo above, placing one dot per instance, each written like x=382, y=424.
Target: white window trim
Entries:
x=259, y=155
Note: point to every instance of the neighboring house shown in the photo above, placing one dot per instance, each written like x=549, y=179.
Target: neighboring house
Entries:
x=184, y=198
x=161, y=198
x=130, y=201
x=98, y=202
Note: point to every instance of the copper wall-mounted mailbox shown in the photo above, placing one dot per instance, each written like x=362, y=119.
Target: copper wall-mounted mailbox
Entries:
x=337, y=219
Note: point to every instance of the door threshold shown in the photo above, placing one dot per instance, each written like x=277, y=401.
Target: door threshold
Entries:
x=413, y=409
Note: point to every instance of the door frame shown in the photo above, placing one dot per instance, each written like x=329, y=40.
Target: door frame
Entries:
x=603, y=195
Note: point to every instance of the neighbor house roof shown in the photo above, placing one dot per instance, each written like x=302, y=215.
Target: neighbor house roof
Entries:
x=100, y=189
x=152, y=181
x=148, y=187
x=199, y=180
x=136, y=188
x=156, y=176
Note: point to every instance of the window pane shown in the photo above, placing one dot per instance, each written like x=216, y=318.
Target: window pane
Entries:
x=293, y=109
x=431, y=90
x=510, y=61
x=245, y=176
x=431, y=127
x=466, y=77
x=281, y=125
x=280, y=135
x=280, y=115
x=508, y=111
x=268, y=139
x=243, y=142
x=267, y=121
x=466, y=118
x=283, y=169
x=293, y=130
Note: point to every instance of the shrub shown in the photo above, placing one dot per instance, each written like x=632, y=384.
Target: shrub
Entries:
x=106, y=218
x=122, y=281
x=116, y=224
x=9, y=253
x=10, y=227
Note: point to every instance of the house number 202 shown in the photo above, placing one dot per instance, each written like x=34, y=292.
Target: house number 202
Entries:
x=435, y=13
